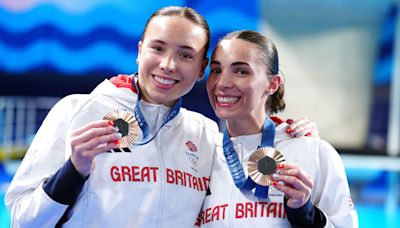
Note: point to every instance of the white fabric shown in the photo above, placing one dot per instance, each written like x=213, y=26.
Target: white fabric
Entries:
x=227, y=206
x=160, y=184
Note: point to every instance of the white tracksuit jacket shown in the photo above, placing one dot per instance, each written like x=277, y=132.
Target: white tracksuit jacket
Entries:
x=160, y=184
x=227, y=206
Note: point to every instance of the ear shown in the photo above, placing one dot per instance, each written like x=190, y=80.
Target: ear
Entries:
x=139, y=51
x=204, y=65
x=274, y=82
x=140, y=47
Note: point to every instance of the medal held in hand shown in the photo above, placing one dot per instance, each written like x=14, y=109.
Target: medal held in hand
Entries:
x=126, y=124
x=263, y=163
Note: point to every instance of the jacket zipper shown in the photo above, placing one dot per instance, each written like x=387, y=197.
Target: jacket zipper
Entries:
x=162, y=169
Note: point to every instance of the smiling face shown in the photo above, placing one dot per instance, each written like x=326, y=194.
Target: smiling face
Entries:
x=170, y=58
x=238, y=84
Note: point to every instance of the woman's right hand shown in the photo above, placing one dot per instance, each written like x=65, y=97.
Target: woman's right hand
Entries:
x=90, y=140
x=300, y=127
x=295, y=183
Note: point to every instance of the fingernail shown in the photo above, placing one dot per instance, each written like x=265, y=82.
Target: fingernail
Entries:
x=116, y=142
x=292, y=135
x=110, y=123
x=280, y=166
x=288, y=130
x=289, y=121
x=298, y=134
x=275, y=176
x=116, y=129
x=280, y=183
x=309, y=134
x=279, y=171
x=119, y=135
x=274, y=183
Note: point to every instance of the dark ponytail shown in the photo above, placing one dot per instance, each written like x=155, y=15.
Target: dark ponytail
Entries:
x=275, y=102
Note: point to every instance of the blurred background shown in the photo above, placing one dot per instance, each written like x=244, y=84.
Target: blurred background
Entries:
x=340, y=59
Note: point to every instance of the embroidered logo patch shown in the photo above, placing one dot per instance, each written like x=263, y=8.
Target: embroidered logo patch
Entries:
x=192, y=155
x=191, y=146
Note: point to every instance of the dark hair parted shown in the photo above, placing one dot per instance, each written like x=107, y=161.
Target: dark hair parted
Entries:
x=185, y=12
x=269, y=54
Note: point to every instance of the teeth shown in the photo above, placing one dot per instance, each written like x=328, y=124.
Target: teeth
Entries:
x=227, y=99
x=164, y=81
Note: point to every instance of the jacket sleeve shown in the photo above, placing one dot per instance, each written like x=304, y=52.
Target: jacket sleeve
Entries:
x=27, y=200
x=331, y=192
x=306, y=216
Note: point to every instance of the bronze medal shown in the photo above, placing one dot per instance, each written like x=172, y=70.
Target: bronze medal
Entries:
x=263, y=163
x=126, y=124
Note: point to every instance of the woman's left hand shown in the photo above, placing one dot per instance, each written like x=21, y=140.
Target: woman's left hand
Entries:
x=294, y=183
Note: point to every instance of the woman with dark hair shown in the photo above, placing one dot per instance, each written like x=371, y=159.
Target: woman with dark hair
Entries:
x=261, y=177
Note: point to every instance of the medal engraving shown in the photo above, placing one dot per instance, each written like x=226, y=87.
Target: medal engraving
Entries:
x=262, y=164
x=126, y=124
x=266, y=165
x=123, y=127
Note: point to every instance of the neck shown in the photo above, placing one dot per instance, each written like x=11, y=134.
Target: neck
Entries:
x=245, y=127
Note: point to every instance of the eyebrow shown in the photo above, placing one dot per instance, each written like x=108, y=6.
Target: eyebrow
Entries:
x=233, y=64
x=181, y=46
x=239, y=63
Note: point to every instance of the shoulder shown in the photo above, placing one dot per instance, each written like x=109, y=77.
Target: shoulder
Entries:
x=107, y=94
x=70, y=101
x=66, y=106
x=282, y=138
x=310, y=150
x=308, y=146
x=77, y=109
x=117, y=87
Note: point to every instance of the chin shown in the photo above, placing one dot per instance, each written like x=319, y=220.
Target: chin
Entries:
x=224, y=114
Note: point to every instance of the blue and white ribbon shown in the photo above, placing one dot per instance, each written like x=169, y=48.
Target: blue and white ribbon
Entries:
x=236, y=169
x=147, y=137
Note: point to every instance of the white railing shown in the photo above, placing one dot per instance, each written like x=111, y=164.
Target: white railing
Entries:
x=20, y=118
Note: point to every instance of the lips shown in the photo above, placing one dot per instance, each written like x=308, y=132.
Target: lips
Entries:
x=164, y=82
x=226, y=101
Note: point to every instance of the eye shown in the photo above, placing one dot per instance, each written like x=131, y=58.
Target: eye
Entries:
x=215, y=70
x=186, y=55
x=157, y=48
x=242, y=71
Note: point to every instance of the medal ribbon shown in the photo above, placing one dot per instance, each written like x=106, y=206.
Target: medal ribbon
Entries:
x=142, y=121
x=236, y=169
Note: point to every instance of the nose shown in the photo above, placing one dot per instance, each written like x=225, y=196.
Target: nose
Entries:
x=168, y=63
x=224, y=81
